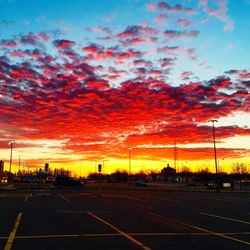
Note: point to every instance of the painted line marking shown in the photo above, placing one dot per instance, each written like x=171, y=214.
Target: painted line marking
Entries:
x=136, y=242
x=13, y=232
x=203, y=230
x=215, y=199
x=163, y=199
x=191, y=199
x=206, y=199
x=217, y=234
x=26, y=197
x=124, y=197
x=131, y=198
x=225, y=218
x=63, y=197
x=117, y=234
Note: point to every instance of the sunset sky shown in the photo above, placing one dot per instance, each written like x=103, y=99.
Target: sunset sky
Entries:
x=83, y=81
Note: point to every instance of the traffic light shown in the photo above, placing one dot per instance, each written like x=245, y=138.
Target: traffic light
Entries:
x=46, y=167
x=99, y=168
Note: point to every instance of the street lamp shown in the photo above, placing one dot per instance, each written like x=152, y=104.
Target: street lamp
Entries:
x=129, y=160
x=11, y=142
x=215, y=157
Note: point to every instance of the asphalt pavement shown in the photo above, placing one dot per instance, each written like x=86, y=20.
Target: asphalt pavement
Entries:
x=138, y=218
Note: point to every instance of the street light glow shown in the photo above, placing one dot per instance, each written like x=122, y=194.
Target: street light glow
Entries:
x=11, y=142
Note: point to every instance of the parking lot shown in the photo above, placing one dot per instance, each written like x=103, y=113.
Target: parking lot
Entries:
x=141, y=218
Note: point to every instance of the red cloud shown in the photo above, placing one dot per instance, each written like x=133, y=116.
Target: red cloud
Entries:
x=63, y=44
x=69, y=95
x=8, y=43
x=137, y=31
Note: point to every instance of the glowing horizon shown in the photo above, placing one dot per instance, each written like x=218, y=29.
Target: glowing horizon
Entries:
x=82, y=82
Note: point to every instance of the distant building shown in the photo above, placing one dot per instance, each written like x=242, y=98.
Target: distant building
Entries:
x=168, y=173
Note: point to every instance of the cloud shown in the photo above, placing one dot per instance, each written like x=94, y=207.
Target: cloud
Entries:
x=220, y=13
x=161, y=19
x=151, y=7
x=174, y=34
x=8, y=43
x=241, y=74
x=137, y=31
x=167, y=62
x=184, y=22
x=178, y=50
x=186, y=75
x=63, y=44
x=102, y=97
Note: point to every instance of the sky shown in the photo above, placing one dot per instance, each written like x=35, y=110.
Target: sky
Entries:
x=84, y=83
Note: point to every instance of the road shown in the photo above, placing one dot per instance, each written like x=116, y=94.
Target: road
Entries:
x=123, y=219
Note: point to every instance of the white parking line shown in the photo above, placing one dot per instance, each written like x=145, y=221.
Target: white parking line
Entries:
x=225, y=218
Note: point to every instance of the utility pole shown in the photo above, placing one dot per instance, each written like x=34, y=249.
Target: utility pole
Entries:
x=11, y=149
x=129, y=161
x=175, y=156
x=18, y=163
x=215, y=157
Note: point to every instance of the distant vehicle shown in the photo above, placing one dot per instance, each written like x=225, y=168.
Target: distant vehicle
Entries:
x=26, y=179
x=50, y=179
x=141, y=183
x=4, y=180
x=16, y=180
x=67, y=181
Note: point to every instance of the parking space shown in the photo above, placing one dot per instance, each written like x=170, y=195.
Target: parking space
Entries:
x=92, y=219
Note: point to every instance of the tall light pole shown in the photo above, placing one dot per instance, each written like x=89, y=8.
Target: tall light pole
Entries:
x=19, y=159
x=11, y=142
x=215, y=156
x=129, y=160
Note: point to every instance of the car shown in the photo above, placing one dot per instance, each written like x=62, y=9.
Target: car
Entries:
x=67, y=181
x=141, y=183
x=50, y=179
x=4, y=180
x=16, y=180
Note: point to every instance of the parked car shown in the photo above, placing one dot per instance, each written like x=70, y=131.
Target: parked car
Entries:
x=50, y=179
x=16, y=180
x=141, y=183
x=67, y=181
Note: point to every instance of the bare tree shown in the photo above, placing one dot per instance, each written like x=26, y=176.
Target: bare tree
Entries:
x=239, y=168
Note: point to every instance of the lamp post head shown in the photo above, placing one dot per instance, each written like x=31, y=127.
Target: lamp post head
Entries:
x=213, y=121
x=11, y=142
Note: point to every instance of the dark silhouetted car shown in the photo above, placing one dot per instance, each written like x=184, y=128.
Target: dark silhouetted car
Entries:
x=141, y=183
x=67, y=181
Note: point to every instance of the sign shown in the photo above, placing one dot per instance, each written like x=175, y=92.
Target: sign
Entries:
x=226, y=184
